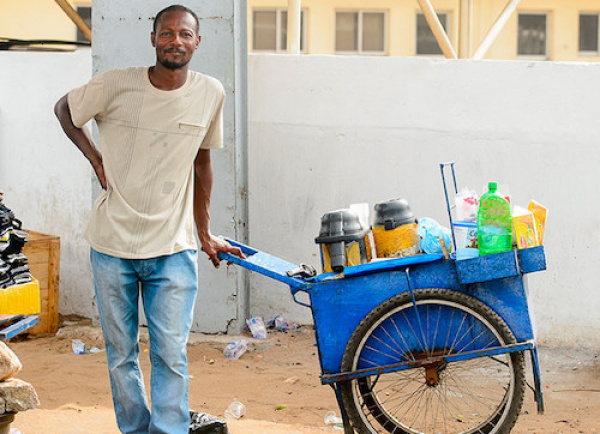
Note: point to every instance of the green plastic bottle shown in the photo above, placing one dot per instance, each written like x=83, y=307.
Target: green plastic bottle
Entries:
x=494, y=222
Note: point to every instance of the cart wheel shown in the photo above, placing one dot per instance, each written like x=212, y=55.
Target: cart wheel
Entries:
x=481, y=395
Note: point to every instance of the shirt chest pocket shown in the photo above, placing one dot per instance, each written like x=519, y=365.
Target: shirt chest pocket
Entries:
x=194, y=129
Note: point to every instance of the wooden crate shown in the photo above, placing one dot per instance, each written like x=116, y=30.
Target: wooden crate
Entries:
x=43, y=254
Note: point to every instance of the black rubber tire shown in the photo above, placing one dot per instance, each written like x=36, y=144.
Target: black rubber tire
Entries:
x=363, y=404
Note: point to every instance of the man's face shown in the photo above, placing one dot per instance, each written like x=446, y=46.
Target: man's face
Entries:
x=175, y=39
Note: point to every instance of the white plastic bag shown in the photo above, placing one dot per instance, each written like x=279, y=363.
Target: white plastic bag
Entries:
x=431, y=232
x=78, y=346
x=467, y=205
x=257, y=327
x=235, y=349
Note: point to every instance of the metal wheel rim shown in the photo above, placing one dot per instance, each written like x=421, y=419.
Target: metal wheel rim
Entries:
x=501, y=408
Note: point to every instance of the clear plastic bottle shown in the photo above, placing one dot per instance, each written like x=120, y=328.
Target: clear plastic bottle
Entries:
x=494, y=222
x=235, y=410
x=332, y=420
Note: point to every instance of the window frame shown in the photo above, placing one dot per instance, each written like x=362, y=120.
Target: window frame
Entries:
x=279, y=28
x=588, y=52
x=546, y=55
x=448, y=32
x=77, y=31
x=359, y=50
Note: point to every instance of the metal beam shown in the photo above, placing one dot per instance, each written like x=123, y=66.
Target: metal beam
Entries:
x=77, y=20
x=412, y=364
x=466, y=24
x=495, y=29
x=293, y=26
x=438, y=30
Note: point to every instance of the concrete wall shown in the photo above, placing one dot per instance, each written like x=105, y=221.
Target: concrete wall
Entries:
x=51, y=186
x=46, y=180
x=326, y=132
x=329, y=131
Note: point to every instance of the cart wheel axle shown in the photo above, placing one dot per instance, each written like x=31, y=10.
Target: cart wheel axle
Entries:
x=431, y=375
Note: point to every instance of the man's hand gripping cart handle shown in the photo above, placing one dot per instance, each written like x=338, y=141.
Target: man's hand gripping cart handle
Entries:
x=297, y=277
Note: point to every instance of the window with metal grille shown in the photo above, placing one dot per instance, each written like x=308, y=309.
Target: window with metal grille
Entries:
x=533, y=35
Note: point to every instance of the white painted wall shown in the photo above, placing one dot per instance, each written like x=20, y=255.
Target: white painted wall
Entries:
x=45, y=179
x=329, y=131
x=325, y=132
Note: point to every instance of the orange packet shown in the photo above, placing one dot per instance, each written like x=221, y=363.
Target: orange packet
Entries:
x=539, y=212
x=524, y=228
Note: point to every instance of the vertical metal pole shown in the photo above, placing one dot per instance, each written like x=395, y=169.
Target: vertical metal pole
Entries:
x=438, y=30
x=466, y=29
x=442, y=167
x=496, y=29
x=537, y=380
x=293, y=26
x=338, y=394
x=240, y=35
x=423, y=344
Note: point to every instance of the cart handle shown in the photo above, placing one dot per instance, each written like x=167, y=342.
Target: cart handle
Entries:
x=267, y=265
x=450, y=207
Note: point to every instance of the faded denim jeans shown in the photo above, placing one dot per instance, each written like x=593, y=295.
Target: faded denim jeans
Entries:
x=168, y=287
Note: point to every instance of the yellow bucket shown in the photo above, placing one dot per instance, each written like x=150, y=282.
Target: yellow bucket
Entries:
x=356, y=253
x=396, y=243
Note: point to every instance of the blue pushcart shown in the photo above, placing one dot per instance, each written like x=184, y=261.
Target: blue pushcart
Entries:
x=421, y=344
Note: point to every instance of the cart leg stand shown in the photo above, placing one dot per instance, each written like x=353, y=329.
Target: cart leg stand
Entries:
x=338, y=394
x=537, y=380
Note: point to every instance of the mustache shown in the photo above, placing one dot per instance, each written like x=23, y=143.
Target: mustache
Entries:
x=174, y=50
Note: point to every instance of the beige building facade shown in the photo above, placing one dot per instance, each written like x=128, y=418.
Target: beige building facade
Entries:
x=563, y=30
x=41, y=20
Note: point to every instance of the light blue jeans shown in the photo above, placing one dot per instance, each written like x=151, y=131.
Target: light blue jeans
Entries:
x=168, y=287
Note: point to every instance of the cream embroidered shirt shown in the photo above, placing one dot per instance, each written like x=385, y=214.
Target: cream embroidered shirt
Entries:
x=149, y=140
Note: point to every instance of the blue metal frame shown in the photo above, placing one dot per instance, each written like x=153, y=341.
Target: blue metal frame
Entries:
x=339, y=302
x=19, y=327
x=442, y=169
x=265, y=264
x=360, y=373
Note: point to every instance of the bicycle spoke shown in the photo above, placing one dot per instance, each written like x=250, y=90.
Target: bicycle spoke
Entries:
x=466, y=396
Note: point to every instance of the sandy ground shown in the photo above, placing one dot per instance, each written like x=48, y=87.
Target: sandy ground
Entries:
x=280, y=371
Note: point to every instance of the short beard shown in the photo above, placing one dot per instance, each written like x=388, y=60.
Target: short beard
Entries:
x=173, y=65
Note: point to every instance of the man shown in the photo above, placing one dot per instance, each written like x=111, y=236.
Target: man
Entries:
x=157, y=126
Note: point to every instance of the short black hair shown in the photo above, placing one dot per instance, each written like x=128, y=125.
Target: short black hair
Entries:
x=173, y=8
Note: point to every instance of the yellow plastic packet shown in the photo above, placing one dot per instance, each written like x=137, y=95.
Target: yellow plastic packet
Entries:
x=524, y=228
x=539, y=212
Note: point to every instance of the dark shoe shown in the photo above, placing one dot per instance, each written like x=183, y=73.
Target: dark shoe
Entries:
x=12, y=220
x=22, y=278
x=4, y=267
x=6, y=210
x=204, y=423
x=16, y=242
x=16, y=260
x=6, y=281
x=5, y=226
